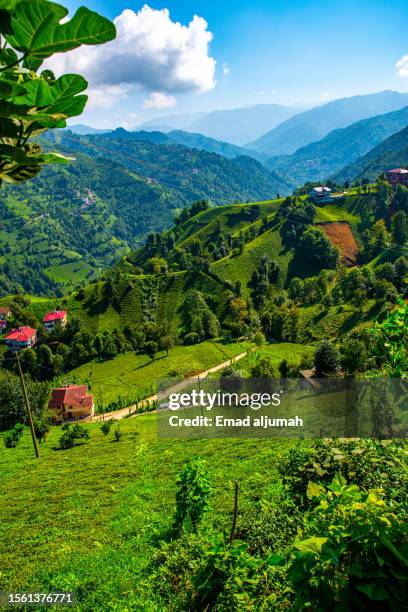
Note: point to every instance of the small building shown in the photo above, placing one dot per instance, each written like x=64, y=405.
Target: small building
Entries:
x=21, y=338
x=398, y=176
x=57, y=318
x=320, y=194
x=72, y=402
x=5, y=314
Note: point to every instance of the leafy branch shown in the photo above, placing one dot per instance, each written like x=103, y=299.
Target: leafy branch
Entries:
x=32, y=102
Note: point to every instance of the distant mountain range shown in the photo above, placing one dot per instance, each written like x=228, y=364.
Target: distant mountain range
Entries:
x=236, y=126
x=315, y=124
x=171, y=122
x=83, y=130
x=318, y=160
x=194, y=141
x=389, y=154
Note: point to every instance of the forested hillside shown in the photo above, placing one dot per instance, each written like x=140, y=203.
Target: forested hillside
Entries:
x=73, y=221
x=321, y=159
x=389, y=154
x=312, y=125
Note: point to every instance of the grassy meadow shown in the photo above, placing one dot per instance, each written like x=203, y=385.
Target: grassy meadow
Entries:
x=137, y=374
x=89, y=518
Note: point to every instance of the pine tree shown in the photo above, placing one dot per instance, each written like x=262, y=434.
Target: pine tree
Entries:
x=327, y=360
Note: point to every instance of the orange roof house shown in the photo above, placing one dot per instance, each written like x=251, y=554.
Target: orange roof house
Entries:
x=70, y=402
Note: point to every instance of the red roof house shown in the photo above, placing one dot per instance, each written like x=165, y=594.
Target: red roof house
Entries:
x=22, y=337
x=71, y=402
x=57, y=317
x=398, y=176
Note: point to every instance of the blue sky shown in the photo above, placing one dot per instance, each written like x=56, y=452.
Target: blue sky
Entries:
x=265, y=52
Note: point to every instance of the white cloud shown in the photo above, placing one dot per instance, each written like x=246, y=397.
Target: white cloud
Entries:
x=402, y=66
x=159, y=100
x=150, y=51
x=226, y=71
x=105, y=96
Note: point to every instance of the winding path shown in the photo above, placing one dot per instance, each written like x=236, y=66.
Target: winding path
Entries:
x=124, y=412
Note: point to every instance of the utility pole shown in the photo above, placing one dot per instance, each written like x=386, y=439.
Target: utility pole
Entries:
x=28, y=409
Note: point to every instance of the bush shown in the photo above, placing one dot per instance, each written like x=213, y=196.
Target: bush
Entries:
x=230, y=378
x=327, y=360
x=194, y=489
x=117, y=434
x=365, y=462
x=106, y=427
x=353, y=554
x=227, y=576
x=71, y=434
x=13, y=436
x=263, y=368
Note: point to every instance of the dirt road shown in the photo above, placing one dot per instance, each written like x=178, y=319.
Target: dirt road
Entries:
x=123, y=412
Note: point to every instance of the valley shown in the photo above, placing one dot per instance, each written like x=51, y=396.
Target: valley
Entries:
x=250, y=245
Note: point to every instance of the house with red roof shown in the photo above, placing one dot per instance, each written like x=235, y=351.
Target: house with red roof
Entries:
x=21, y=338
x=54, y=319
x=398, y=176
x=5, y=314
x=70, y=403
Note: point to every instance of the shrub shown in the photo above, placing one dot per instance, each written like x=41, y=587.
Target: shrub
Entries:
x=263, y=368
x=230, y=378
x=327, y=360
x=194, y=489
x=227, y=576
x=71, y=434
x=106, y=427
x=365, y=462
x=41, y=427
x=13, y=436
x=354, y=551
x=117, y=434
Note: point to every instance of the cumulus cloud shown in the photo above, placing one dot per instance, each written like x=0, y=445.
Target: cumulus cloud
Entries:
x=105, y=96
x=402, y=66
x=150, y=51
x=159, y=100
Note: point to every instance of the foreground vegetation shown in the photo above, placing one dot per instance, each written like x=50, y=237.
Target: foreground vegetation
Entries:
x=98, y=519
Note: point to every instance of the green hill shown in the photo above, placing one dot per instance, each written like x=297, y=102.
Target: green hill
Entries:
x=391, y=153
x=339, y=148
x=69, y=224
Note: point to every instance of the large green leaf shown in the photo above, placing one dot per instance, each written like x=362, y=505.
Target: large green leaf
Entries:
x=9, y=89
x=38, y=33
x=41, y=93
x=8, y=4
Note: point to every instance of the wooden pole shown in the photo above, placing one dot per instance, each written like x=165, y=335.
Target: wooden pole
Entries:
x=28, y=409
x=234, y=520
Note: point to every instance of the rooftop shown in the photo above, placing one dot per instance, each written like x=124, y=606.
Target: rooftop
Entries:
x=72, y=395
x=56, y=315
x=321, y=189
x=21, y=334
x=397, y=171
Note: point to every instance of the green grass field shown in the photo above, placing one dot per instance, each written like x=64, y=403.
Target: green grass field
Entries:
x=293, y=353
x=87, y=519
x=130, y=374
